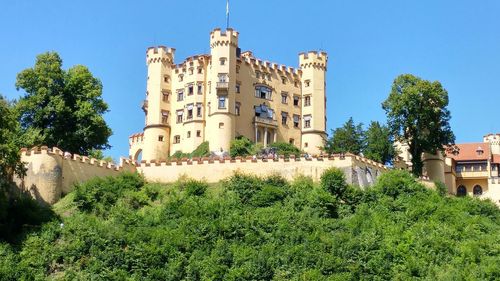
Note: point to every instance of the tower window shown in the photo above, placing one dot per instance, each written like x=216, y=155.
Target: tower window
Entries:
x=188, y=134
x=198, y=110
x=306, y=144
x=237, y=107
x=222, y=102
x=165, y=96
x=181, y=77
x=180, y=95
x=200, y=89
x=190, y=71
x=221, y=125
x=198, y=133
x=200, y=70
x=307, y=121
x=177, y=139
x=263, y=92
x=307, y=83
x=223, y=77
x=296, y=121
x=296, y=100
x=179, y=116
x=190, y=89
x=284, y=97
x=164, y=116
x=223, y=61
x=291, y=141
x=237, y=89
x=284, y=118
x=190, y=111
x=283, y=79
x=166, y=78
x=307, y=100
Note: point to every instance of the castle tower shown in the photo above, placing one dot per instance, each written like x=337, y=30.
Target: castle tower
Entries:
x=433, y=166
x=220, y=120
x=157, y=105
x=494, y=141
x=313, y=67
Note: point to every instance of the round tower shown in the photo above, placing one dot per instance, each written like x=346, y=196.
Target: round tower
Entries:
x=313, y=68
x=220, y=121
x=494, y=141
x=157, y=104
x=434, y=166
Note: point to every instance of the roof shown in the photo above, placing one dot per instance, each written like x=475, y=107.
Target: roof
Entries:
x=496, y=158
x=469, y=152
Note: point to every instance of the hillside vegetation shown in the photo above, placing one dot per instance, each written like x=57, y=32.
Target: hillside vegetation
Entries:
x=248, y=228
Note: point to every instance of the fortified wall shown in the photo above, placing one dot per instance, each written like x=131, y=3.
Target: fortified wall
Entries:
x=358, y=170
x=51, y=174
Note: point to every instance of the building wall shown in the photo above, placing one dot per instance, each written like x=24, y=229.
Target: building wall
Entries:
x=358, y=170
x=50, y=175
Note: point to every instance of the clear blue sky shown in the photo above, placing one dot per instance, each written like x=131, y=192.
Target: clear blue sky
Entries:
x=369, y=43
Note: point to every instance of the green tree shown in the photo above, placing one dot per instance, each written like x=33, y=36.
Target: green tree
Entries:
x=379, y=144
x=241, y=146
x=286, y=149
x=62, y=108
x=417, y=114
x=9, y=143
x=348, y=138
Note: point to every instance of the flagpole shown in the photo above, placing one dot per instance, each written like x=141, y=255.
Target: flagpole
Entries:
x=227, y=14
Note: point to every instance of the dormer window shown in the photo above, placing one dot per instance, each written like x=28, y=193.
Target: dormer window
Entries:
x=479, y=151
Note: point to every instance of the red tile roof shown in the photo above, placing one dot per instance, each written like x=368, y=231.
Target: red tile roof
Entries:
x=468, y=152
x=496, y=158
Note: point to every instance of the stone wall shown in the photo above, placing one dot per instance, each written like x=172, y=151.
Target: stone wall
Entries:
x=51, y=174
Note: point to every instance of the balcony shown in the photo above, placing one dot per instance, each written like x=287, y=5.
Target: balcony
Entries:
x=222, y=85
x=472, y=171
x=265, y=121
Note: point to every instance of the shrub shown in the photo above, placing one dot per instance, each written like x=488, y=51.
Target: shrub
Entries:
x=396, y=183
x=285, y=148
x=179, y=155
x=244, y=185
x=241, y=146
x=202, y=150
x=194, y=187
x=441, y=188
x=333, y=181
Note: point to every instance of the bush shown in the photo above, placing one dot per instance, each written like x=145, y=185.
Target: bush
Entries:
x=286, y=149
x=396, y=183
x=202, y=150
x=441, y=188
x=241, y=146
x=195, y=188
x=244, y=185
x=333, y=181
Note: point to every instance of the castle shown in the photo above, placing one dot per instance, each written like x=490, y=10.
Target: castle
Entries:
x=219, y=96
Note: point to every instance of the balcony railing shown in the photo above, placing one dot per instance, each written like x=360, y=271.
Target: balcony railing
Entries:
x=222, y=85
x=265, y=121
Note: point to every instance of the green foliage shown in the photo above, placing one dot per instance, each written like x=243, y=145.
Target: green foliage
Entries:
x=262, y=229
x=333, y=181
x=9, y=144
x=417, y=114
x=348, y=138
x=379, y=144
x=62, y=108
x=441, y=188
x=202, y=150
x=286, y=149
x=241, y=146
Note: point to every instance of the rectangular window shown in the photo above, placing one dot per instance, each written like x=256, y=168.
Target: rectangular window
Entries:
x=307, y=100
x=198, y=133
x=296, y=100
x=284, y=118
x=222, y=102
x=291, y=141
x=237, y=88
x=200, y=70
x=188, y=134
x=257, y=74
x=190, y=111
x=200, y=89
x=283, y=79
x=237, y=107
x=284, y=98
x=190, y=71
x=177, y=139
x=190, y=89
x=165, y=96
x=307, y=83
x=166, y=78
x=263, y=92
x=181, y=77
x=307, y=121
x=179, y=116
x=296, y=121
x=198, y=110
x=164, y=117
x=160, y=138
x=222, y=61
x=222, y=77
x=180, y=95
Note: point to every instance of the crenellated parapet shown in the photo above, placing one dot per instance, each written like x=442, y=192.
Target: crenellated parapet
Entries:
x=160, y=54
x=313, y=59
x=267, y=66
x=220, y=37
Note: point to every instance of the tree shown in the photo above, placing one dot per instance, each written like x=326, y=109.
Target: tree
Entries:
x=286, y=149
x=241, y=146
x=348, y=138
x=417, y=114
x=9, y=145
x=62, y=108
x=379, y=145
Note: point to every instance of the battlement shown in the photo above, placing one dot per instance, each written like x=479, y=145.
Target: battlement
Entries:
x=136, y=138
x=160, y=54
x=313, y=59
x=219, y=37
x=492, y=138
x=267, y=66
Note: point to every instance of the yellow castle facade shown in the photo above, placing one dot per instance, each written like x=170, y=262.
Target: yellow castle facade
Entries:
x=219, y=96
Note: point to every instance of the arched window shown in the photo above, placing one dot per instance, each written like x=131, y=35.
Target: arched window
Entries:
x=477, y=190
x=461, y=190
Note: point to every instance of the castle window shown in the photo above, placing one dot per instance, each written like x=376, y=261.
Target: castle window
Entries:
x=237, y=107
x=306, y=144
x=223, y=77
x=165, y=96
x=296, y=121
x=198, y=133
x=188, y=134
x=179, y=116
x=283, y=79
x=237, y=89
x=221, y=125
x=181, y=77
x=223, y=61
x=222, y=102
x=200, y=70
x=160, y=138
x=190, y=89
x=180, y=95
x=291, y=141
x=200, y=89
x=307, y=100
x=237, y=69
x=477, y=190
x=461, y=191
x=263, y=92
x=479, y=151
x=198, y=110
x=190, y=71
x=307, y=121
x=166, y=78
x=307, y=83
x=284, y=118
x=284, y=97
x=296, y=100
x=190, y=111
x=257, y=74
x=263, y=111
x=164, y=116
x=177, y=139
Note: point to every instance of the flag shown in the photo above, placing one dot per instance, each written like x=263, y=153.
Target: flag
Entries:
x=227, y=7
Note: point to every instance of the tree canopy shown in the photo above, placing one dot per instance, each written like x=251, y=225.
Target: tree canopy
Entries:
x=379, y=145
x=348, y=138
x=62, y=108
x=9, y=142
x=417, y=114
